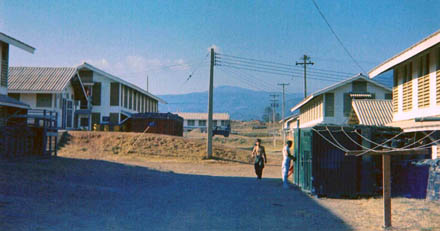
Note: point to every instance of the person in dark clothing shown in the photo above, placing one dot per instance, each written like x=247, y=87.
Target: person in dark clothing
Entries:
x=260, y=158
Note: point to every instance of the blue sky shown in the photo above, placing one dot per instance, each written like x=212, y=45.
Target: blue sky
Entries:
x=169, y=40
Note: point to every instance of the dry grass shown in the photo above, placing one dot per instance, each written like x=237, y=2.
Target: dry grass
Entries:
x=367, y=214
x=152, y=146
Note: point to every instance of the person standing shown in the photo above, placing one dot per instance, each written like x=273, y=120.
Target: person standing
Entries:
x=285, y=166
x=260, y=158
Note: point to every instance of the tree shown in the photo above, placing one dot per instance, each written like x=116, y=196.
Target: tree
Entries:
x=267, y=114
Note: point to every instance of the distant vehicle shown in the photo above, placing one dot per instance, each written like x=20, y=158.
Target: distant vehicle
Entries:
x=259, y=127
x=222, y=130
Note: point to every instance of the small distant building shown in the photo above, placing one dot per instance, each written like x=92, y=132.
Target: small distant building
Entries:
x=333, y=104
x=193, y=121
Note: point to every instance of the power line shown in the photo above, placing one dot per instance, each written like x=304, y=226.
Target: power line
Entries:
x=336, y=36
x=249, y=82
x=279, y=73
x=283, y=66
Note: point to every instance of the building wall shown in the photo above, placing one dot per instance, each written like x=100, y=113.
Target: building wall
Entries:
x=105, y=109
x=339, y=117
x=433, y=78
x=312, y=112
x=31, y=100
x=198, y=125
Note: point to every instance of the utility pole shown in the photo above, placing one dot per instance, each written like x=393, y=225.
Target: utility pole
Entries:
x=147, y=83
x=283, y=106
x=305, y=61
x=274, y=104
x=210, y=104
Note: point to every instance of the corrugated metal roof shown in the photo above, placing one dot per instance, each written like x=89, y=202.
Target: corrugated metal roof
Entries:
x=39, y=79
x=203, y=116
x=373, y=112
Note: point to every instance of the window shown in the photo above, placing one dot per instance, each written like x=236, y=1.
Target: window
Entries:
x=202, y=123
x=359, y=86
x=347, y=104
x=388, y=96
x=329, y=104
x=44, y=100
x=114, y=118
x=14, y=96
x=114, y=94
x=135, y=97
x=423, y=83
x=142, y=103
x=96, y=95
x=105, y=119
x=438, y=58
x=437, y=78
x=407, y=86
x=139, y=102
x=125, y=97
x=395, y=90
x=191, y=122
x=130, y=99
x=4, y=64
x=96, y=118
x=84, y=122
x=224, y=123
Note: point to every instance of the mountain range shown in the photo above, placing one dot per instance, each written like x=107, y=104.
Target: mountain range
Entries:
x=240, y=103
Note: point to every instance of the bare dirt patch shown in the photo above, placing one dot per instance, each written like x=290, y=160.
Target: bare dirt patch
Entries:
x=149, y=146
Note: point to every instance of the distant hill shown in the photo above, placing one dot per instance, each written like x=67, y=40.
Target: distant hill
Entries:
x=240, y=103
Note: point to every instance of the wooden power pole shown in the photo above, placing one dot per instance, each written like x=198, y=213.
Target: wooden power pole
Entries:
x=274, y=104
x=283, y=106
x=210, y=104
x=305, y=61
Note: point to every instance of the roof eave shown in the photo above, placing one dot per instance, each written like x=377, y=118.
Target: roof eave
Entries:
x=34, y=92
x=93, y=68
x=12, y=41
x=406, y=54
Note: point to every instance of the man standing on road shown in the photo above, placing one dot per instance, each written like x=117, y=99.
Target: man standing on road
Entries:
x=285, y=166
x=260, y=158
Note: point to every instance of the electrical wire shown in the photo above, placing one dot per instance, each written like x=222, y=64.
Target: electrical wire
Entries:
x=337, y=37
x=277, y=73
x=288, y=67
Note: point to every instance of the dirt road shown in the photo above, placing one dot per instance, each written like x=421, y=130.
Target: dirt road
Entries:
x=127, y=194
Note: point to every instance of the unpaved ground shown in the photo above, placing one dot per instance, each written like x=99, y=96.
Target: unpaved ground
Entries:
x=127, y=193
x=146, y=146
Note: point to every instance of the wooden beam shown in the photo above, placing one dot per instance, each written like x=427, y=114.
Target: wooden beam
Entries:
x=386, y=169
x=389, y=152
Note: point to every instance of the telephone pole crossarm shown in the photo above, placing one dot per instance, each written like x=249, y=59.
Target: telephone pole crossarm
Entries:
x=305, y=61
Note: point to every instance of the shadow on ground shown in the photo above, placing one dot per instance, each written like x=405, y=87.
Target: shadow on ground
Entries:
x=75, y=194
